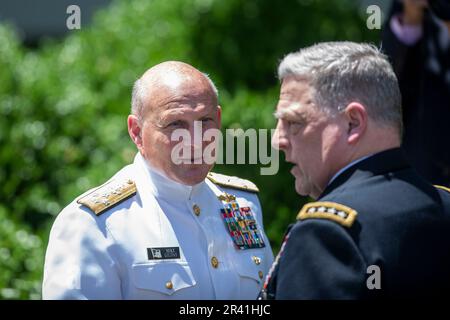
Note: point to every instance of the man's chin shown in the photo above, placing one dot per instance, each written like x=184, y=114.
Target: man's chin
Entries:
x=192, y=174
x=299, y=188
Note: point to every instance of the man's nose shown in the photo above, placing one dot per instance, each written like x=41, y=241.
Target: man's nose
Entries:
x=196, y=134
x=279, y=139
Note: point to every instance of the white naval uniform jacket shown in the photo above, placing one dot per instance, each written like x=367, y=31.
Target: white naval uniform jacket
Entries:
x=107, y=256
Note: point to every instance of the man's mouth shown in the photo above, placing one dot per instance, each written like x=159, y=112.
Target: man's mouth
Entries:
x=192, y=160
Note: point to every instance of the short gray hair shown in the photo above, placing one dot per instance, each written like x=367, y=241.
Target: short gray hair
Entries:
x=342, y=72
x=138, y=94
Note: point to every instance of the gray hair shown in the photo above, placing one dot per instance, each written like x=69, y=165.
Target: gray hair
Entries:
x=342, y=72
x=138, y=95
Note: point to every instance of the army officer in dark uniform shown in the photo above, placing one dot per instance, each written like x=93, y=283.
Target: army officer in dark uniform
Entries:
x=377, y=229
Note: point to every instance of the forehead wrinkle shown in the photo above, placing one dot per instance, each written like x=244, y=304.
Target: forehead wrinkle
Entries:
x=292, y=111
x=185, y=92
x=180, y=110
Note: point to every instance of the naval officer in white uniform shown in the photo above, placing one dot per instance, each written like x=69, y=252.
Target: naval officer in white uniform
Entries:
x=157, y=230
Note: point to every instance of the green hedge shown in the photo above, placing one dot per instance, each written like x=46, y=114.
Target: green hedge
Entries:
x=63, y=106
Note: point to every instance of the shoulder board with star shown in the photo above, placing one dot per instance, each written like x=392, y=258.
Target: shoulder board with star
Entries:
x=442, y=188
x=232, y=182
x=108, y=195
x=336, y=212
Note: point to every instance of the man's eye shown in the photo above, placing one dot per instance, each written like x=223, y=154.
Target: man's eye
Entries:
x=174, y=124
x=294, y=123
x=294, y=126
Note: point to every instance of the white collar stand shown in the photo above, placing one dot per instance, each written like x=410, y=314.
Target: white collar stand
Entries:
x=163, y=187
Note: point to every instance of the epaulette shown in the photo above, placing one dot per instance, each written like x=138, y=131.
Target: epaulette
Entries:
x=442, y=187
x=336, y=212
x=108, y=195
x=232, y=182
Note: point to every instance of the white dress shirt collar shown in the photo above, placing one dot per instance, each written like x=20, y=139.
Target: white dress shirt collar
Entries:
x=163, y=187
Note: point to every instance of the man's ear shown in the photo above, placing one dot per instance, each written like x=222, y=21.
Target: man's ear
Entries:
x=356, y=120
x=135, y=130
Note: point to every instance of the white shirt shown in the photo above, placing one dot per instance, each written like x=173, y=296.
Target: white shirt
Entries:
x=108, y=256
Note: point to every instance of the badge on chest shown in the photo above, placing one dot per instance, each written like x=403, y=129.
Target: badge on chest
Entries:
x=163, y=253
x=240, y=223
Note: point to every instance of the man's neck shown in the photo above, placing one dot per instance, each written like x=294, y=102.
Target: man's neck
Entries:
x=380, y=140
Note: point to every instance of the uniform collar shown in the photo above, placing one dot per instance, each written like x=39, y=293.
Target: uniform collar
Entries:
x=347, y=167
x=163, y=187
x=378, y=164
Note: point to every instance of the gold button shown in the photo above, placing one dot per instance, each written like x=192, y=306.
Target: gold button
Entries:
x=257, y=260
x=260, y=274
x=196, y=209
x=169, y=285
x=214, y=262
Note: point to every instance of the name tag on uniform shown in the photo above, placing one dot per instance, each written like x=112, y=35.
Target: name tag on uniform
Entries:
x=163, y=253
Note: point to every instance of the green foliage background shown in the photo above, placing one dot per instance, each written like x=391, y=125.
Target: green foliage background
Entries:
x=63, y=106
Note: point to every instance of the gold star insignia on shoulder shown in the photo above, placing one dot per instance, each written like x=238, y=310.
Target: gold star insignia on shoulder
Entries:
x=232, y=182
x=336, y=212
x=442, y=187
x=108, y=195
